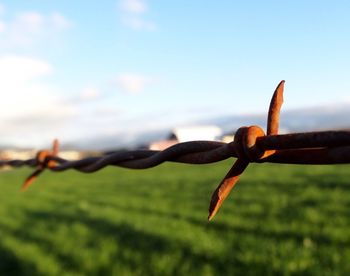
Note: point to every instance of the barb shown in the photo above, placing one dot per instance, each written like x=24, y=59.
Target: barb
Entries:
x=248, y=151
x=250, y=145
x=43, y=161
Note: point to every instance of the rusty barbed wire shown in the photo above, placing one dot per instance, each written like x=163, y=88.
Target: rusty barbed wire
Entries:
x=250, y=145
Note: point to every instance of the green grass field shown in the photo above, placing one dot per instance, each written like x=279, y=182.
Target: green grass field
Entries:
x=279, y=220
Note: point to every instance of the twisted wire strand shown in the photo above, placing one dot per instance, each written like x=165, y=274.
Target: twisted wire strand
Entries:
x=297, y=148
x=196, y=152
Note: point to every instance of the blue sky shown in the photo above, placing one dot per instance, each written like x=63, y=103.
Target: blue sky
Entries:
x=77, y=69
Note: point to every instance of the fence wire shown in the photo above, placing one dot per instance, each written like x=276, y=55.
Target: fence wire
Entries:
x=250, y=145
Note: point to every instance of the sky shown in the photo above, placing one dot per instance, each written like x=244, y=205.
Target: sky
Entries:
x=80, y=69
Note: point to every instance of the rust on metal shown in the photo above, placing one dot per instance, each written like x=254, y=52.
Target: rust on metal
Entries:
x=248, y=151
x=250, y=145
x=43, y=161
x=226, y=185
x=273, y=119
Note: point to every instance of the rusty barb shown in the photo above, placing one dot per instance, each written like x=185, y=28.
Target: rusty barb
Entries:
x=250, y=145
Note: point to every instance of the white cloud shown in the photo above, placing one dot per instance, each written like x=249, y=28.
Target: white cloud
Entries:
x=15, y=69
x=133, y=13
x=30, y=28
x=29, y=103
x=133, y=6
x=2, y=9
x=133, y=83
x=34, y=109
x=23, y=88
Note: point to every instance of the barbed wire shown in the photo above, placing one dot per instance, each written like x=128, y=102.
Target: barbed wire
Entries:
x=250, y=145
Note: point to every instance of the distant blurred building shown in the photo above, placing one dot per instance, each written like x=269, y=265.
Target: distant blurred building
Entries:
x=185, y=134
x=193, y=133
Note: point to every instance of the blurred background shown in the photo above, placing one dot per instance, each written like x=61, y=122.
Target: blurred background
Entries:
x=123, y=74
x=126, y=72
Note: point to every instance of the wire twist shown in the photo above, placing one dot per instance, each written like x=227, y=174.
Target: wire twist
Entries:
x=250, y=145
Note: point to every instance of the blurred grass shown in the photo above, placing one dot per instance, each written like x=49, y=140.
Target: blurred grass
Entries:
x=279, y=220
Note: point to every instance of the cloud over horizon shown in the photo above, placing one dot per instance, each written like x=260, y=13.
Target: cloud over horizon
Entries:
x=34, y=109
x=27, y=99
x=36, y=106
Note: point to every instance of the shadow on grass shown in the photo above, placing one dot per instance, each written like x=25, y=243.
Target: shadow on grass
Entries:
x=145, y=249
x=255, y=230
x=139, y=250
x=11, y=265
x=287, y=214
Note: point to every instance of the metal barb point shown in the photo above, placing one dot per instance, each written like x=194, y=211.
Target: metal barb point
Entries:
x=248, y=151
x=43, y=161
